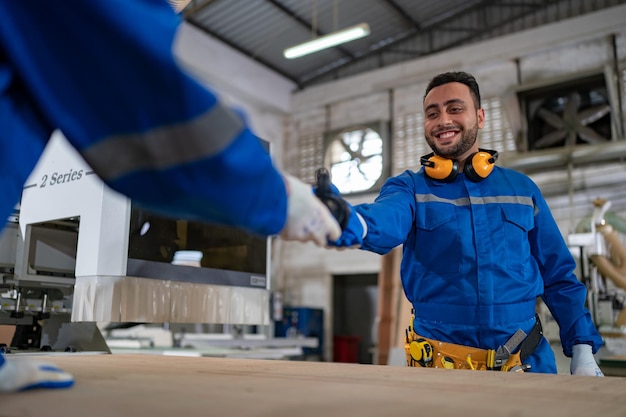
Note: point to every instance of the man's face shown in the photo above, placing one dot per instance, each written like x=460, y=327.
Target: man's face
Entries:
x=451, y=121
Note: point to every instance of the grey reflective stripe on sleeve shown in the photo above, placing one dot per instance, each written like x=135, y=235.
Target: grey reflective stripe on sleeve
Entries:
x=504, y=199
x=165, y=146
x=431, y=198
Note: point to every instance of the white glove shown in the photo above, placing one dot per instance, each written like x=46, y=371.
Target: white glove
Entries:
x=307, y=217
x=583, y=362
x=19, y=374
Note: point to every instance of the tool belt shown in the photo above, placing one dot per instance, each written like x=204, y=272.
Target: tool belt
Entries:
x=425, y=352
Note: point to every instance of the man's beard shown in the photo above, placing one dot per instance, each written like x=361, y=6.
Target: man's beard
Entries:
x=468, y=138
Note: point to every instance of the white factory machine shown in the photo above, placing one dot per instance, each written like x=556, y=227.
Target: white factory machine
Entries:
x=75, y=253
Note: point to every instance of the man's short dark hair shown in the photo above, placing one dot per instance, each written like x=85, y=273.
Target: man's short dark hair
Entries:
x=456, y=77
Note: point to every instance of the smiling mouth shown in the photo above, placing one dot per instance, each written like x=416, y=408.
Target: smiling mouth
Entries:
x=447, y=134
x=445, y=137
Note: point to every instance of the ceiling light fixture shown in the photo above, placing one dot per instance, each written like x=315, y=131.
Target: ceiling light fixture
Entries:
x=327, y=41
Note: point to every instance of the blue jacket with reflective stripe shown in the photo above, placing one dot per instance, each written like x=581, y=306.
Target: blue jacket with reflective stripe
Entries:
x=103, y=72
x=476, y=256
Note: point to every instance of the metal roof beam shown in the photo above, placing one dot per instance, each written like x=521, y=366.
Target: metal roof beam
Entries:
x=457, y=29
x=196, y=6
x=243, y=51
x=400, y=11
x=427, y=31
x=304, y=23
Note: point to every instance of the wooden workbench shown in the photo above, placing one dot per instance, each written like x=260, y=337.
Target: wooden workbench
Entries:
x=155, y=386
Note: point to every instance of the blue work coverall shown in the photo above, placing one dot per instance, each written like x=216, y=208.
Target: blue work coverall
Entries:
x=476, y=255
x=110, y=83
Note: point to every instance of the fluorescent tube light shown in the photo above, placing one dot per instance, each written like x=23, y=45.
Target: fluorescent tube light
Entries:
x=327, y=41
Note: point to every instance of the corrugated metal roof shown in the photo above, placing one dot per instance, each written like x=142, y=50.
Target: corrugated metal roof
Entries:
x=400, y=29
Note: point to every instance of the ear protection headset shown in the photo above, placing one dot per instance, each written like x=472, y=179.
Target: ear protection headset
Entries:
x=478, y=166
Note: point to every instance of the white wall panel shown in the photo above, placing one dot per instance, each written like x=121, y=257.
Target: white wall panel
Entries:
x=310, y=121
x=369, y=108
x=263, y=95
x=569, y=59
x=408, y=99
x=231, y=72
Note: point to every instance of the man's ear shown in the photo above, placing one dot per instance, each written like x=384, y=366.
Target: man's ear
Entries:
x=480, y=115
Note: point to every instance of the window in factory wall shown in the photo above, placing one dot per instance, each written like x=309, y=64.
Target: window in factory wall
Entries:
x=357, y=157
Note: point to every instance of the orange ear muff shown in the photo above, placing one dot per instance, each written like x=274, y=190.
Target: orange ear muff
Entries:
x=439, y=168
x=480, y=164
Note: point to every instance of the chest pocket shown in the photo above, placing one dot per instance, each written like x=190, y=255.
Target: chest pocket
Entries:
x=436, y=240
x=518, y=221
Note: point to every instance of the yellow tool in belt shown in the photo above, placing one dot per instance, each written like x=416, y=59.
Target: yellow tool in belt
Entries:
x=424, y=352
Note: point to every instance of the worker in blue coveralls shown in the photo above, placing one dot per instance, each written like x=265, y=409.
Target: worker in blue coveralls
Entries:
x=104, y=74
x=479, y=246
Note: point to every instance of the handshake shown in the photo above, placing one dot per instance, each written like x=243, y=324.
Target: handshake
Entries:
x=319, y=214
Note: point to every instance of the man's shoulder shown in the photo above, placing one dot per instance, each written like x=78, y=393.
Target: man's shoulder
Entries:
x=408, y=180
x=517, y=178
x=408, y=175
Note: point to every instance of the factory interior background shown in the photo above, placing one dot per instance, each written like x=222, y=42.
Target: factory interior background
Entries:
x=563, y=58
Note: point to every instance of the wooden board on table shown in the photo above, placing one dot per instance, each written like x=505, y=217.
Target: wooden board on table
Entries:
x=152, y=385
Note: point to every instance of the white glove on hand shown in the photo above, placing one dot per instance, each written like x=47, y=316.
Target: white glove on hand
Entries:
x=583, y=362
x=19, y=374
x=307, y=217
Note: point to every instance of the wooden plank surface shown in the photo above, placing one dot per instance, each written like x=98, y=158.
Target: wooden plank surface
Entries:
x=151, y=385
